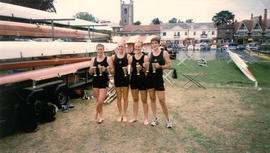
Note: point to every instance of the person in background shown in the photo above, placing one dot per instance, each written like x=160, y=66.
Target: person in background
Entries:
x=163, y=46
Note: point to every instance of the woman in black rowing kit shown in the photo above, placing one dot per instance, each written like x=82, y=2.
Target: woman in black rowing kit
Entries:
x=121, y=80
x=138, y=63
x=159, y=60
x=99, y=68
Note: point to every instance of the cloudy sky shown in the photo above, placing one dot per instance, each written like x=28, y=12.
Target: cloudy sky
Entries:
x=146, y=10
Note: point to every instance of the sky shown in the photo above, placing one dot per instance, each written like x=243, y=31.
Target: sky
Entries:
x=146, y=10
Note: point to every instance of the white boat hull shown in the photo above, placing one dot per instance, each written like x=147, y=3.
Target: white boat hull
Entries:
x=18, y=50
x=242, y=66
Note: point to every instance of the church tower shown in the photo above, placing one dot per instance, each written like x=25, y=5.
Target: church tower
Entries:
x=126, y=13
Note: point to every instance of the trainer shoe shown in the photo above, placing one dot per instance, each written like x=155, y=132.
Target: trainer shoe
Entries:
x=154, y=121
x=65, y=108
x=169, y=123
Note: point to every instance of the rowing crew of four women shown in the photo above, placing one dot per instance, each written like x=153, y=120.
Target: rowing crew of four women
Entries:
x=139, y=72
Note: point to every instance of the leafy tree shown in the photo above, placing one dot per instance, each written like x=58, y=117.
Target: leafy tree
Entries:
x=45, y=5
x=189, y=21
x=223, y=17
x=85, y=16
x=137, y=23
x=156, y=21
x=173, y=20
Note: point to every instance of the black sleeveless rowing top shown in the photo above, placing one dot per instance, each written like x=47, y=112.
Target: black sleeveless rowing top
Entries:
x=156, y=59
x=136, y=62
x=118, y=64
x=104, y=76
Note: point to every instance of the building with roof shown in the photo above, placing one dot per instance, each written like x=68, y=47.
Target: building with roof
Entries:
x=254, y=29
x=133, y=33
x=225, y=33
x=131, y=30
x=188, y=33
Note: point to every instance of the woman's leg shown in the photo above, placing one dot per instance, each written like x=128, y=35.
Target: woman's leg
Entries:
x=125, y=98
x=135, y=96
x=96, y=94
x=119, y=103
x=145, y=105
x=152, y=95
x=161, y=97
x=162, y=101
x=102, y=96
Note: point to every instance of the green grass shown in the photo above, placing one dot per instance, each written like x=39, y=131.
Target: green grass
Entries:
x=235, y=120
x=255, y=127
x=223, y=72
x=261, y=71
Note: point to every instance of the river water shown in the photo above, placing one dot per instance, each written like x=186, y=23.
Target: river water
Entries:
x=212, y=55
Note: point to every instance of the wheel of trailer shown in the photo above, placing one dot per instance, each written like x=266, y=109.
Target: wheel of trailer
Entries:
x=29, y=113
x=43, y=111
x=37, y=106
x=35, y=98
x=61, y=98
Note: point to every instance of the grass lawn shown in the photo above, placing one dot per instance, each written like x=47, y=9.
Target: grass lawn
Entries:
x=220, y=119
x=215, y=120
x=223, y=72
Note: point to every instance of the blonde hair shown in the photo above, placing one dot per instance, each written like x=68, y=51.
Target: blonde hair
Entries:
x=122, y=42
x=141, y=43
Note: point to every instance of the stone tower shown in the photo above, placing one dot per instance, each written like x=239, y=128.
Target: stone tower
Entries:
x=126, y=13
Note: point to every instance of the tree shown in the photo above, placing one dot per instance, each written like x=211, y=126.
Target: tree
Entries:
x=173, y=20
x=189, y=21
x=137, y=23
x=45, y=5
x=223, y=17
x=156, y=21
x=85, y=16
